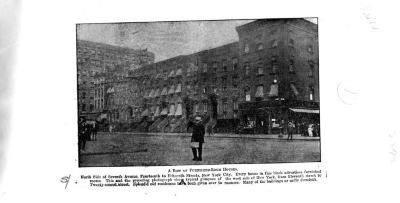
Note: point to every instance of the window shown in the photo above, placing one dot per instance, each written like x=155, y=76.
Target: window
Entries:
x=246, y=47
x=260, y=91
x=273, y=59
x=273, y=32
x=247, y=93
x=196, y=108
x=258, y=37
x=274, y=43
x=234, y=64
x=260, y=70
x=83, y=107
x=215, y=66
x=234, y=81
x=224, y=65
x=91, y=107
x=291, y=66
x=224, y=82
x=224, y=105
x=291, y=42
x=311, y=92
x=310, y=49
x=83, y=95
x=205, y=107
x=273, y=89
x=311, y=69
x=235, y=105
x=274, y=68
x=260, y=46
x=204, y=68
x=247, y=69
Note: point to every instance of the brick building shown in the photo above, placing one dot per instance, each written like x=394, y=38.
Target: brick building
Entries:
x=101, y=66
x=270, y=74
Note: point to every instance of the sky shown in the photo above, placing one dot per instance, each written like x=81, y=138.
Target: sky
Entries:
x=164, y=39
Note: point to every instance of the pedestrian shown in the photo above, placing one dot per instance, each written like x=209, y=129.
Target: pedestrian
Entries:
x=210, y=130
x=282, y=128
x=310, y=130
x=83, y=134
x=196, y=143
x=291, y=128
x=95, y=128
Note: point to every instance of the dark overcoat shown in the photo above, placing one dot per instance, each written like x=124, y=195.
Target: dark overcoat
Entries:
x=198, y=132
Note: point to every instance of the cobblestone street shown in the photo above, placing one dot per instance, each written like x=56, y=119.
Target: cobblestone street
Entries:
x=124, y=149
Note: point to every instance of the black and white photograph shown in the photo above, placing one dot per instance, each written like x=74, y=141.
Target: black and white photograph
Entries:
x=198, y=92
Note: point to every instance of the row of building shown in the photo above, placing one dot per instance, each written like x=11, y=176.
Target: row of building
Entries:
x=270, y=74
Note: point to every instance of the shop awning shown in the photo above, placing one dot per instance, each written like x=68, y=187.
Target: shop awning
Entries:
x=157, y=112
x=156, y=93
x=274, y=90
x=304, y=110
x=164, y=111
x=151, y=93
x=171, y=110
x=178, y=111
x=178, y=72
x=178, y=88
x=260, y=91
x=145, y=113
x=164, y=91
x=171, y=90
x=171, y=74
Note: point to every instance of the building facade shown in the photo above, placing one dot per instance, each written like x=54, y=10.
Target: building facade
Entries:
x=271, y=69
x=99, y=67
x=270, y=74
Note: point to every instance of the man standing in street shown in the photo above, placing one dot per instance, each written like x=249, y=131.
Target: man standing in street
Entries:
x=291, y=128
x=197, y=139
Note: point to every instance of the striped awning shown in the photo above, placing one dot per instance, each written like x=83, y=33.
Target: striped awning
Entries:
x=274, y=90
x=178, y=88
x=145, y=113
x=164, y=111
x=156, y=93
x=171, y=110
x=178, y=72
x=157, y=111
x=260, y=91
x=178, y=111
x=151, y=95
x=171, y=90
x=164, y=91
x=171, y=74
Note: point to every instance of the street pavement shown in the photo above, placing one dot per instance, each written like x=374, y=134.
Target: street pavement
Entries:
x=165, y=149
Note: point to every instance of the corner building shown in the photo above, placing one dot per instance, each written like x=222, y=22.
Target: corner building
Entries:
x=270, y=74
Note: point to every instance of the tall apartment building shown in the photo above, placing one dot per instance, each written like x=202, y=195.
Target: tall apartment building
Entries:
x=98, y=66
x=270, y=74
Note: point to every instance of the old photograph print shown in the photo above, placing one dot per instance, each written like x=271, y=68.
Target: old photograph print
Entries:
x=198, y=92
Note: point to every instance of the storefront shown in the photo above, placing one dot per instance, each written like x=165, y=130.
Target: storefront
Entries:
x=266, y=117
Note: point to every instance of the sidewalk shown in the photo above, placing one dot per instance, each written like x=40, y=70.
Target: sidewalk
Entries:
x=222, y=135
